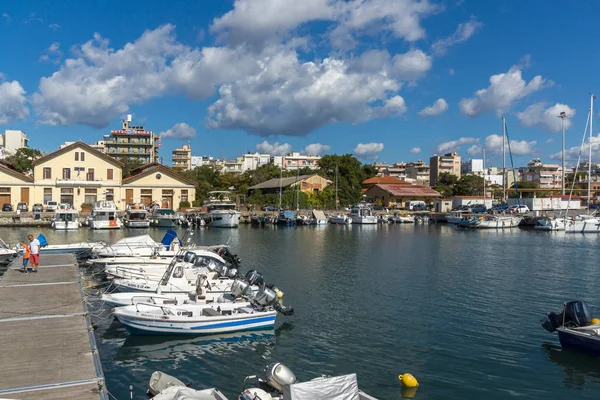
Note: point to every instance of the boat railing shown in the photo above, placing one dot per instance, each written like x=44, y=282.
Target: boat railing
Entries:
x=151, y=298
x=151, y=305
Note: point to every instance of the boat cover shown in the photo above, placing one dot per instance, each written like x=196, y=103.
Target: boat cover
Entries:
x=318, y=214
x=169, y=237
x=343, y=387
x=184, y=393
x=42, y=239
x=140, y=240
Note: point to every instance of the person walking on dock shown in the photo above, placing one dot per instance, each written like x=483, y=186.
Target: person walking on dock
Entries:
x=35, y=253
x=26, y=254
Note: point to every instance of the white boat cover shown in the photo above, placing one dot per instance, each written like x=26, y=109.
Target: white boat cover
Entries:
x=141, y=240
x=318, y=214
x=184, y=393
x=343, y=387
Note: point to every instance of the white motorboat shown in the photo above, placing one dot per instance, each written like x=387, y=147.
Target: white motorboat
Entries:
x=6, y=253
x=65, y=219
x=362, y=214
x=403, y=219
x=130, y=261
x=163, y=218
x=142, y=245
x=340, y=219
x=104, y=216
x=583, y=224
x=318, y=218
x=551, y=224
x=221, y=210
x=498, y=222
x=136, y=216
x=166, y=387
x=455, y=216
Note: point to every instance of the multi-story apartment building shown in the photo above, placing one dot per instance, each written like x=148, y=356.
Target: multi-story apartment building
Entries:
x=472, y=167
x=448, y=163
x=419, y=171
x=251, y=161
x=546, y=176
x=182, y=158
x=297, y=160
x=232, y=167
x=132, y=142
x=12, y=140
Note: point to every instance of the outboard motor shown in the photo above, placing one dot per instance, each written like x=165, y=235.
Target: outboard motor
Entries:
x=265, y=297
x=574, y=314
x=232, y=273
x=239, y=287
x=278, y=375
x=254, y=277
x=222, y=270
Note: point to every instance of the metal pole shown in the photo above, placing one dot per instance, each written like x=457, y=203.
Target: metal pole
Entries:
x=562, y=116
x=484, y=180
x=503, y=161
x=280, y=184
x=589, y=196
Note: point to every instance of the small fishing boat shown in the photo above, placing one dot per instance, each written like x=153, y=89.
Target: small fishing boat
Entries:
x=286, y=218
x=340, y=219
x=362, y=214
x=136, y=216
x=166, y=387
x=142, y=245
x=65, y=219
x=104, y=216
x=575, y=327
x=318, y=218
x=550, y=224
x=198, y=319
x=6, y=253
x=455, y=216
x=497, y=221
x=163, y=218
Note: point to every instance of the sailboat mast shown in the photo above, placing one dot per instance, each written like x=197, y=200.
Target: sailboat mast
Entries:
x=336, y=188
x=484, y=180
x=503, y=160
x=297, y=188
x=280, y=183
x=589, y=193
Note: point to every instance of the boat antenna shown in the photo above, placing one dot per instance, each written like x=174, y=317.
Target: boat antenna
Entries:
x=512, y=165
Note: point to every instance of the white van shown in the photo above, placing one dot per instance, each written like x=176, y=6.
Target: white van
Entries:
x=51, y=206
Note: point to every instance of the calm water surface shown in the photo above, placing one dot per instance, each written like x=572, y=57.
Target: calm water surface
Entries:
x=460, y=310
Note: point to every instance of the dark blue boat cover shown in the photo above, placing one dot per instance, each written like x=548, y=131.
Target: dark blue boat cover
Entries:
x=168, y=238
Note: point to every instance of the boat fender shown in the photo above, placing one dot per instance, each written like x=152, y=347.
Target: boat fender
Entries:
x=407, y=380
x=595, y=321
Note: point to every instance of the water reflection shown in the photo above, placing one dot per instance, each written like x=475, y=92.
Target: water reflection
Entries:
x=579, y=369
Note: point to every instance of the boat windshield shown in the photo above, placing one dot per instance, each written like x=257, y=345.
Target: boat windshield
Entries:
x=137, y=215
x=65, y=217
x=209, y=262
x=189, y=257
x=216, y=207
x=165, y=211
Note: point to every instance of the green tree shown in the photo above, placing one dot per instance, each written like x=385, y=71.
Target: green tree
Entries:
x=445, y=184
x=351, y=174
x=129, y=164
x=23, y=159
x=261, y=174
x=469, y=185
x=523, y=185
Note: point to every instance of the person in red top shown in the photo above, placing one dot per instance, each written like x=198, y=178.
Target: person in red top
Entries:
x=26, y=256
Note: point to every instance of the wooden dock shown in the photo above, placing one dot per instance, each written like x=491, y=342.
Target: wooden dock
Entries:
x=47, y=345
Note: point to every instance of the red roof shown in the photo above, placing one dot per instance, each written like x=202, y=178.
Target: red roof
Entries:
x=384, y=180
x=404, y=190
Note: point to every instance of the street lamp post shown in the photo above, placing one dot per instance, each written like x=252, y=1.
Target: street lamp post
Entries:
x=562, y=116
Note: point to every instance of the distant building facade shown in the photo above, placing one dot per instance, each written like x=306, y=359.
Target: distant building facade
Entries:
x=447, y=163
x=132, y=142
x=418, y=171
x=472, y=167
x=307, y=183
x=251, y=161
x=545, y=176
x=182, y=158
x=12, y=140
x=296, y=160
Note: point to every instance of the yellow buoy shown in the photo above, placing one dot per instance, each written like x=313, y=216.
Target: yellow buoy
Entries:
x=408, y=380
x=595, y=321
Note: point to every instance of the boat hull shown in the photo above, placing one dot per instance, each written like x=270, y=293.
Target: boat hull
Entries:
x=590, y=225
x=370, y=220
x=138, y=325
x=225, y=220
x=136, y=224
x=579, y=341
x=115, y=224
x=499, y=223
x=163, y=222
x=65, y=225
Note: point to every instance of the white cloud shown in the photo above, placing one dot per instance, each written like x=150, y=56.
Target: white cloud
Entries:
x=504, y=90
x=493, y=145
x=266, y=21
x=454, y=145
x=438, y=107
x=451, y=71
x=13, y=104
x=6, y=17
x=274, y=149
x=292, y=97
x=54, y=27
x=462, y=34
x=180, y=130
x=536, y=115
x=411, y=65
x=549, y=140
x=368, y=151
x=53, y=52
x=415, y=150
x=572, y=154
x=316, y=149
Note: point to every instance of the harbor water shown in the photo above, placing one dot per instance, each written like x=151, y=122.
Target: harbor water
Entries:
x=459, y=310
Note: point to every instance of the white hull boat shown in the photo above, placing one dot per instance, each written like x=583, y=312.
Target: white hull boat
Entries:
x=83, y=248
x=140, y=246
x=583, y=224
x=146, y=319
x=553, y=224
x=65, y=220
x=498, y=222
x=340, y=219
x=131, y=261
x=131, y=298
x=224, y=219
x=104, y=216
x=362, y=214
x=455, y=217
x=6, y=254
x=221, y=210
x=136, y=217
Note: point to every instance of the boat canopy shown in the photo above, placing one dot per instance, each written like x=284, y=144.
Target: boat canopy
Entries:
x=287, y=215
x=343, y=387
x=318, y=214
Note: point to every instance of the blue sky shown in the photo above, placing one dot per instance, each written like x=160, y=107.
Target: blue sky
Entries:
x=387, y=80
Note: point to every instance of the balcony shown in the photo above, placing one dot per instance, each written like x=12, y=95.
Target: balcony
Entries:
x=126, y=152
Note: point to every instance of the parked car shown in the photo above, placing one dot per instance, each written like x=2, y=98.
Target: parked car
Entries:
x=51, y=206
x=478, y=208
x=22, y=207
x=420, y=207
x=522, y=209
x=37, y=208
x=7, y=207
x=269, y=208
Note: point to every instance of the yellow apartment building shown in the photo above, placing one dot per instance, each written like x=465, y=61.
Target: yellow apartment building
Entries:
x=77, y=174
x=15, y=187
x=182, y=157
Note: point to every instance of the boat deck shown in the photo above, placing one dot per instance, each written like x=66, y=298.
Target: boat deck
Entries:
x=47, y=345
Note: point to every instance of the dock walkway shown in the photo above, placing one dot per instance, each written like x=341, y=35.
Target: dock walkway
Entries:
x=47, y=345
